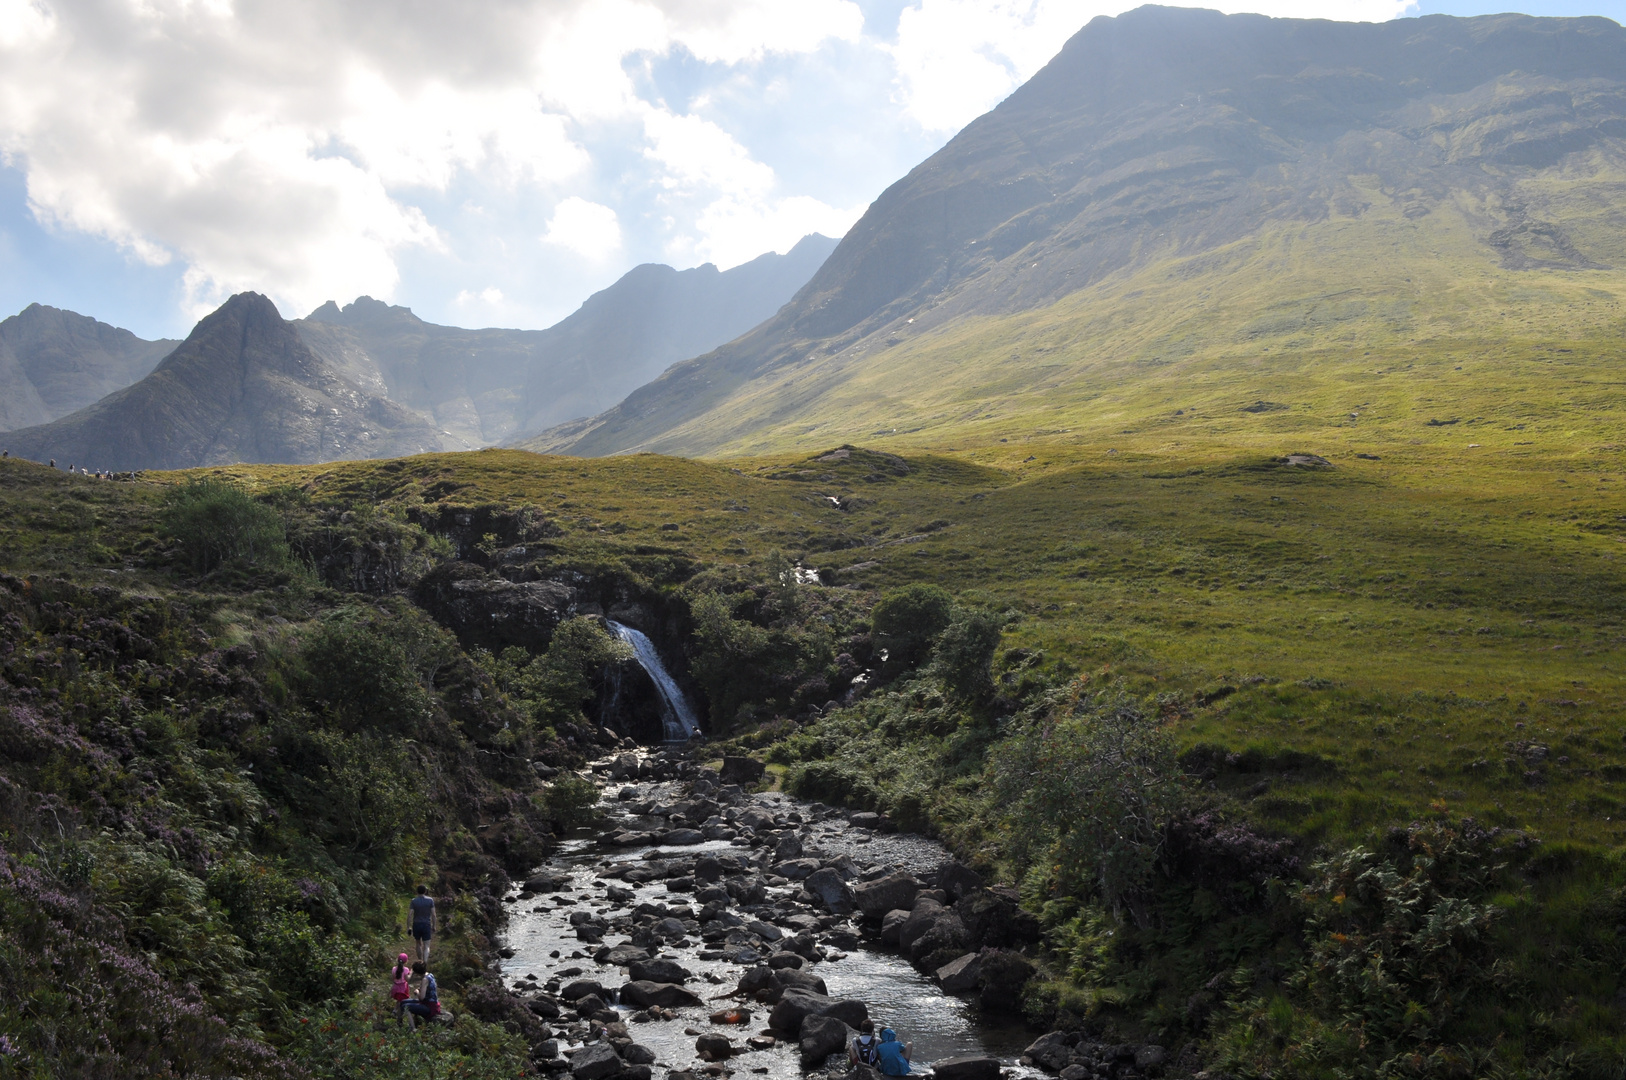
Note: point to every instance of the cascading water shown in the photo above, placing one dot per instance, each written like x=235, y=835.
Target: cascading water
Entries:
x=677, y=715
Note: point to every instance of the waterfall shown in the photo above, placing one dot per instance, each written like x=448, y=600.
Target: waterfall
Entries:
x=677, y=715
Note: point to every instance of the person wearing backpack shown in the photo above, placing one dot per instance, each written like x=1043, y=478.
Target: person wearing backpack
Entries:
x=400, y=989
x=894, y=1055
x=865, y=1047
x=427, y=1004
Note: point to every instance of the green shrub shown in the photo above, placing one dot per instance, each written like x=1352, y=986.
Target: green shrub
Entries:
x=364, y=679
x=964, y=655
x=216, y=523
x=1091, y=783
x=569, y=801
x=906, y=623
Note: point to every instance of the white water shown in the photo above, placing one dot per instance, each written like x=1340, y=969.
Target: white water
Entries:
x=677, y=716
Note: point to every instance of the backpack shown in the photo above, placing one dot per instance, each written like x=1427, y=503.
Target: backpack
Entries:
x=431, y=994
x=869, y=1052
x=399, y=990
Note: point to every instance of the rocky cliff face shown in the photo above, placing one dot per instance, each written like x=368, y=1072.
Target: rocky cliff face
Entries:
x=54, y=362
x=1170, y=134
x=242, y=387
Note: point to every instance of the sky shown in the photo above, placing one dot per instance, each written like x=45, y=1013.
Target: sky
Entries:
x=489, y=162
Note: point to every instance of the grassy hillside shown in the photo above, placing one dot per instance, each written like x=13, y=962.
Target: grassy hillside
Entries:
x=1345, y=335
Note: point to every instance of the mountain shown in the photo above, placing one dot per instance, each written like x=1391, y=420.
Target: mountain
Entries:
x=1195, y=225
x=54, y=362
x=488, y=386
x=242, y=387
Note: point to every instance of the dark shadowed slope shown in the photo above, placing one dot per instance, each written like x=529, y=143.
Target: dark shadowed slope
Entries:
x=488, y=386
x=242, y=387
x=54, y=362
x=1280, y=166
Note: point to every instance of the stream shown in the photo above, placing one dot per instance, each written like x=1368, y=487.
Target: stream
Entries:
x=548, y=954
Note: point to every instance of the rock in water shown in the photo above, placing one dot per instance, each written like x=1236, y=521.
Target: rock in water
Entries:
x=957, y=879
x=822, y=1036
x=659, y=971
x=895, y=891
x=967, y=1068
x=833, y=892
x=596, y=1062
x=1050, y=1052
x=642, y=995
x=961, y=975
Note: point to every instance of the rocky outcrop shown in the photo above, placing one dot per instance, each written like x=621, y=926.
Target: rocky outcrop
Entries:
x=492, y=613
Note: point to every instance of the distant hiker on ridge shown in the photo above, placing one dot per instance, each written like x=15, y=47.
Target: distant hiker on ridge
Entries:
x=421, y=914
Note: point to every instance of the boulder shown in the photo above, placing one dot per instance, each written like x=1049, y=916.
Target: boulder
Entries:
x=764, y=930
x=865, y=820
x=967, y=1068
x=754, y=979
x=589, y=1005
x=994, y=918
x=890, y=893
x=785, y=960
x=961, y=975
x=659, y=971
x=742, y=770
x=624, y=767
x=755, y=818
x=714, y=1047
x=547, y=881
x=1004, y=974
x=831, y=889
x=1077, y=1072
x=621, y=955
x=637, y=1054
x=946, y=938
x=580, y=988
x=642, y=995
x=849, y=1011
x=1051, y=1052
x=684, y=837
x=799, y=979
x=596, y=1062
x=957, y=879
x=795, y=1005
x=892, y=926
x=921, y=919
x=796, y=869
x=822, y=1036
x=788, y=848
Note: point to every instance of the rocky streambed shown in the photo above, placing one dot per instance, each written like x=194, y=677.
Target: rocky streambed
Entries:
x=702, y=930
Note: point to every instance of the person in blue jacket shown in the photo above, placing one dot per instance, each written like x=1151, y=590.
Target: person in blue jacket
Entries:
x=894, y=1054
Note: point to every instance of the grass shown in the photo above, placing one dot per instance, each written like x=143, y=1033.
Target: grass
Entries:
x=1403, y=620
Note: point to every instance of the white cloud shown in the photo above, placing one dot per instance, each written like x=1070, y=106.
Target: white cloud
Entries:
x=491, y=296
x=590, y=229
x=733, y=231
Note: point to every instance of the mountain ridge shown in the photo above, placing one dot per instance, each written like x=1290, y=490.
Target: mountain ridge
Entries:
x=1152, y=142
x=54, y=362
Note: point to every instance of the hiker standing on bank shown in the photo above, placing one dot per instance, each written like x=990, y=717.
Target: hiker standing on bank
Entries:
x=421, y=914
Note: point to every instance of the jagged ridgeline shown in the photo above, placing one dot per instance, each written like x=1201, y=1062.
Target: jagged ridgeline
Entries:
x=1184, y=213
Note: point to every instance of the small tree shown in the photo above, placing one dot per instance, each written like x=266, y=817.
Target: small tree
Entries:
x=964, y=655
x=1092, y=783
x=215, y=522
x=906, y=622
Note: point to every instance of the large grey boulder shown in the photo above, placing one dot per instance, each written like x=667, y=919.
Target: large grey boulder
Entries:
x=960, y=975
x=621, y=955
x=659, y=971
x=892, y=926
x=832, y=890
x=580, y=988
x=1051, y=1052
x=684, y=837
x=642, y=995
x=957, y=879
x=822, y=1036
x=924, y=916
x=967, y=1068
x=796, y=1005
x=946, y=938
x=796, y=869
x=788, y=848
x=596, y=1062
x=876, y=898
x=799, y=979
